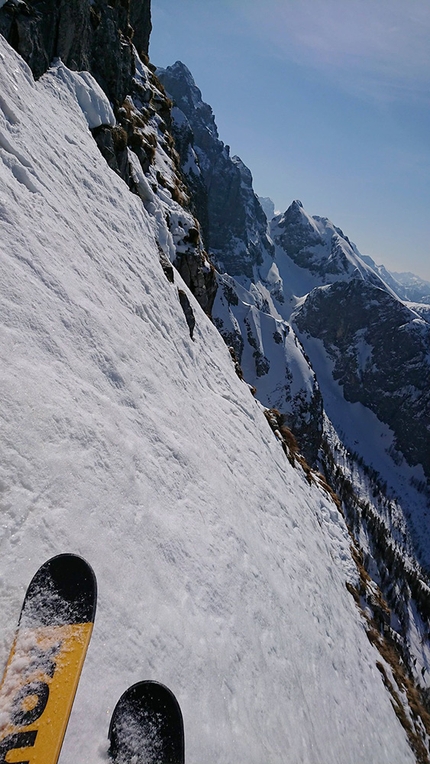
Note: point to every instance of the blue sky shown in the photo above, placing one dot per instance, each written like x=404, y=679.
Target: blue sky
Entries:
x=326, y=101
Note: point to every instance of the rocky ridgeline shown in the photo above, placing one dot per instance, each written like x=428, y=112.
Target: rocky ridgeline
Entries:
x=380, y=349
x=233, y=223
x=91, y=35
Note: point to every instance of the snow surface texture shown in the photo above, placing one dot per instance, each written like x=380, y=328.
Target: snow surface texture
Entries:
x=89, y=95
x=221, y=572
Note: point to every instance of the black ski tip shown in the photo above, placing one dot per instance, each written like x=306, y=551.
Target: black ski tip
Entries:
x=63, y=591
x=147, y=723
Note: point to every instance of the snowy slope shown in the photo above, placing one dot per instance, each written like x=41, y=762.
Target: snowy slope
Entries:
x=221, y=571
x=320, y=249
x=271, y=358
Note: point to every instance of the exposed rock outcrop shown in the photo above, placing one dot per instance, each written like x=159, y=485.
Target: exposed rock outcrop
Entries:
x=91, y=35
x=381, y=352
x=233, y=223
x=100, y=36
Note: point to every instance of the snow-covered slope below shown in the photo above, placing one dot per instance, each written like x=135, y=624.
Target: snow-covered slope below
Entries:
x=221, y=571
x=271, y=358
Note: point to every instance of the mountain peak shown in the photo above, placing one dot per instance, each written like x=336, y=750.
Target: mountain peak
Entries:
x=181, y=70
x=181, y=87
x=233, y=223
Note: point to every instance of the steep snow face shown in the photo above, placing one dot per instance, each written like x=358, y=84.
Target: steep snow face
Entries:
x=271, y=358
x=221, y=571
x=89, y=95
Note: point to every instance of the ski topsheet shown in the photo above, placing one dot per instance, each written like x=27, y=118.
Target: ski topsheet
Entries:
x=42, y=673
x=147, y=726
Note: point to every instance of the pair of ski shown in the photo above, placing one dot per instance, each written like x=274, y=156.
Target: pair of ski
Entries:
x=43, y=670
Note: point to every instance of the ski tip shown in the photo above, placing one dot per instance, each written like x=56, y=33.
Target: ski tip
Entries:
x=63, y=591
x=147, y=719
x=148, y=691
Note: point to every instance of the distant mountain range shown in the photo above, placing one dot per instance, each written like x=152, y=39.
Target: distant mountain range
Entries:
x=407, y=286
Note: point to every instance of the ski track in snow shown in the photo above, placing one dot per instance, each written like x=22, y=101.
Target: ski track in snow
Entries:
x=221, y=572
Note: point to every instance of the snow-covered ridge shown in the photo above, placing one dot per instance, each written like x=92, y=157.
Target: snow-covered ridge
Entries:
x=221, y=571
x=319, y=247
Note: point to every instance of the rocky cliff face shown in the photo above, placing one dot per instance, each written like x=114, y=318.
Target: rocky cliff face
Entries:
x=91, y=35
x=101, y=36
x=381, y=351
x=233, y=222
